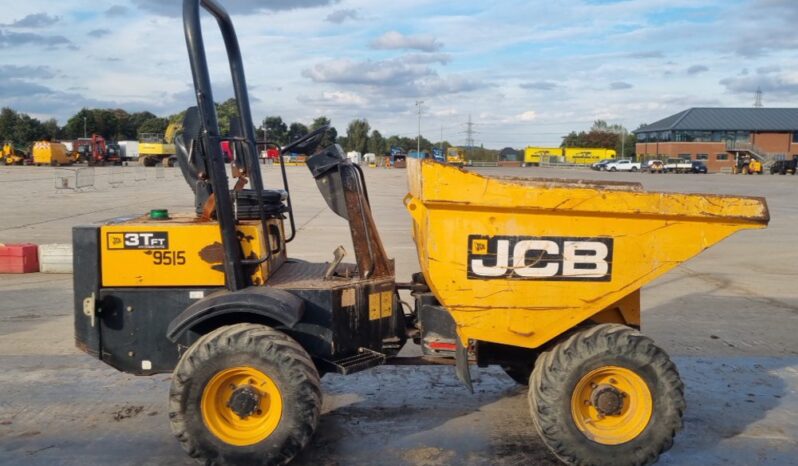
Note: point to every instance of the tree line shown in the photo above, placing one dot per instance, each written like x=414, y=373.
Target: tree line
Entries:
x=119, y=125
x=605, y=136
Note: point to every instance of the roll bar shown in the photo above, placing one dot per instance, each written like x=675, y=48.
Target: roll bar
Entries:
x=209, y=136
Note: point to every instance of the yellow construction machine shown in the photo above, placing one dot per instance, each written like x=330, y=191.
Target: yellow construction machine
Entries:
x=540, y=277
x=51, y=153
x=155, y=148
x=11, y=155
x=455, y=156
x=747, y=165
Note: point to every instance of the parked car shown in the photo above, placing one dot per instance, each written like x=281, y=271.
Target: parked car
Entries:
x=654, y=166
x=782, y=167
x=601, y=164
x=679, y=166
x=622, y=166
x=698, y=167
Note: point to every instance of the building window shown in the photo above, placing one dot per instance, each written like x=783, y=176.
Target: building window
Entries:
x=702, y=156
x=685, y=156
x=723, y=156
x=795, y=137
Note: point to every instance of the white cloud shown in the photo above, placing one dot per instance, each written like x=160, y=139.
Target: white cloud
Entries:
x=620, y=85
x=696, y=69
x=35, y=20
x=393, y=40
x=529, y=115
x=339, y=16
x=568, y=60
x=175, y=8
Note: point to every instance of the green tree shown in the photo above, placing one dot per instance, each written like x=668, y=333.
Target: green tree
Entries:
x=27, y=129
x=224, y=112
x=134, y=122
x=393, y=141
x=376, y=143
x=73, y=128
x=50, y=129
x=109, y=123
x=276, y=130
x=407, y=143
x=153, y=125
x=332, y=134
x=357, y=136
x=444, y=145
x=297, y=130
x=8, y=121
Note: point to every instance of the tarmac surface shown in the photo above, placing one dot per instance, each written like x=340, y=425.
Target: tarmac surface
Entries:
x=729, y=319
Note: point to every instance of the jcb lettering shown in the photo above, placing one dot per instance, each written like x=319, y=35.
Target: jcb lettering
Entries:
x=139, y=240
x=540, y=258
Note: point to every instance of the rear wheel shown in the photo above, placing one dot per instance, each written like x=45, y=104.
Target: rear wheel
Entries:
x=244, y=394
x=606, y=396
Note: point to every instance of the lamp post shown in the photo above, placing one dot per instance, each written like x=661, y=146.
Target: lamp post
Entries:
x=622, y=133
x=84, y=127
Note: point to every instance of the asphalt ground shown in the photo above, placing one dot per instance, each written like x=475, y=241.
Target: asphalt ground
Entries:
x=728, y=317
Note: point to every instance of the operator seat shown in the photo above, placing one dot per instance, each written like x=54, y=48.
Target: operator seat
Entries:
x=193, y=162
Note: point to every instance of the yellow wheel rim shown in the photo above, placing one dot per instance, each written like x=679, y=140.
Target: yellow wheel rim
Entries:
x=229, y=426
x=611, y=405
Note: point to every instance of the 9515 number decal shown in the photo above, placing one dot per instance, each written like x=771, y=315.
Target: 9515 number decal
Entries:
x=168, y=257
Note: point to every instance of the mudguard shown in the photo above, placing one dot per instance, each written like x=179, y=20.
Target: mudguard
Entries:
x=261, y=301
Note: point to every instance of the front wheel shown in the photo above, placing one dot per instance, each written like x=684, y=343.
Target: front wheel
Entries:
x=606, y=396
x=244, y=394
x=634, y=169
x=613, y=169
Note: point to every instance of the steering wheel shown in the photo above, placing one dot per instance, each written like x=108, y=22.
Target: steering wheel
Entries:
x=308, y=143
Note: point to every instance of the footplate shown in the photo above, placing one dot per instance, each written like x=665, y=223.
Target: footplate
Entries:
x=363, y=359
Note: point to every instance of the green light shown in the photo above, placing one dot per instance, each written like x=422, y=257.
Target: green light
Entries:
x=159, y=214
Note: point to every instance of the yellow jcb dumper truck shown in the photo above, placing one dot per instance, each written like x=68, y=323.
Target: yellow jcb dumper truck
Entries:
x=540, y=277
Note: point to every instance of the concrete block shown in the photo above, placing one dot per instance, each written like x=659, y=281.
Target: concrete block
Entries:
x=55, y=258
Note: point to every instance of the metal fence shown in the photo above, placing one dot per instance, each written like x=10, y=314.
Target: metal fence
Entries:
x=84, y=177
x=73, y=179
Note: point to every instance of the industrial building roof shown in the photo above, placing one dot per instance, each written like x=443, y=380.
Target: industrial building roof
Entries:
x=728, y=119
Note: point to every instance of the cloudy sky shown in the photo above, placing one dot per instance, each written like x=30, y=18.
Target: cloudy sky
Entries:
x=526, y=71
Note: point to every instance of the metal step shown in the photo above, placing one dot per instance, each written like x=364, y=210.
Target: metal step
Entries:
x=363, y=359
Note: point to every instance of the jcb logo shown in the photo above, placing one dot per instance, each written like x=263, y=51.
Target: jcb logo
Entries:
x=139, y=240
x=551, y=258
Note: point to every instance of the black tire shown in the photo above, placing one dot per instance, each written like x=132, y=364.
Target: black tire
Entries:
x=267, y=350
x=558, y=371
x=613, y=169
x=520, y=374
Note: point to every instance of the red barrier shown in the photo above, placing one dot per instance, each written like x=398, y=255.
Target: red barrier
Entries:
x=19, y=258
